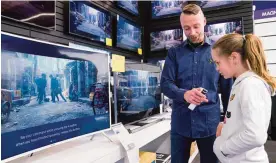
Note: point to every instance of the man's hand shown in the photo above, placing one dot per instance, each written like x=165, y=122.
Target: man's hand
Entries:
x=195, y=96
x=219, y=128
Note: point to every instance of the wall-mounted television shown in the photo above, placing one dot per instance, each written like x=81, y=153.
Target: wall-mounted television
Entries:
x=50, y=93
x=88, y=21
x=166, y=39
x=167, y=8
x=128, y=34
x=215, y=31
x=129, y=5
x=38, y=13
x=217, y=4
x=138, y=95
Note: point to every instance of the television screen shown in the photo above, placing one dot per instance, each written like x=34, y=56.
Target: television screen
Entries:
x=165, y=8
x=166, y=39
x=38, y=13
x=216, y=3
x=128, y=35
x=129, y=5
x=216, y=31
x=50, y=93
x=138, y=95
x=89, y=22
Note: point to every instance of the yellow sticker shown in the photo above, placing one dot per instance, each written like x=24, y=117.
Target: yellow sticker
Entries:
x=118, y=63
x=108, y=41
x=140, y=51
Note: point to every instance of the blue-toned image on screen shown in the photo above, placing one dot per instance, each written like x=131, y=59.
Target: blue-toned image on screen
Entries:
x=166, y=39
x=128, y=35
x=165, y=8
x=138, y=93
x=215, y=31
x=129, y=5
x=216, y=3
x=50, y=93
x=89, y=22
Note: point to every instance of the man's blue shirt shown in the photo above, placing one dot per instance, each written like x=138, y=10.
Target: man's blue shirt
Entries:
x=187, y=68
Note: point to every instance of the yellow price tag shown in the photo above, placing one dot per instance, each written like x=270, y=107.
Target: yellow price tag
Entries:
x=118, y=63
x=108, y=41
x=140, y=51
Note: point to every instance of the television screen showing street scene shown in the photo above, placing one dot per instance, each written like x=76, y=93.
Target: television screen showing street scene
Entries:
x=215, y=31
x=138, y=94
x=50, y=93
x=163, y=40
x=89, y=22
x=216, y=3
x=128, y=34
x=167, y=8
x=129, y=5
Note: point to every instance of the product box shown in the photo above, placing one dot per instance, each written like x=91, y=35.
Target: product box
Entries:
x=147, y=157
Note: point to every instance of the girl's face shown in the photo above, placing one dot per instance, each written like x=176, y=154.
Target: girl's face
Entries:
x=224, y=64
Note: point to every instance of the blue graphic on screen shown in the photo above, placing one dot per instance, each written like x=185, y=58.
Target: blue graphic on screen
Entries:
x=129, y=5
x=89, y=22
x=138, y=91
x=166, y=39
x=49, y=94
x=216, y=3
x=215, y=31
x=128, y=35
x=165, y=8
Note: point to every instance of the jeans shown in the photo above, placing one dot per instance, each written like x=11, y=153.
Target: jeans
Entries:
x=180, y=149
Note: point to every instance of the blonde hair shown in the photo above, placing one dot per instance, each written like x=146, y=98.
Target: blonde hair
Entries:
x=191, y=9
x=251, y=50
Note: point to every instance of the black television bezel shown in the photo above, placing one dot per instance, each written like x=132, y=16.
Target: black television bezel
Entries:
x=160, y=50
x=31, y=24
x=166, y=16
x=129, y=11
x=96, y=8
x=131, y=23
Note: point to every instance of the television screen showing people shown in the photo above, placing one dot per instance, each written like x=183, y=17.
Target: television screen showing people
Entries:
x=49, y=94
x=216, y=3
x=138, y=93
x=166, y=8
x=128, y=35
x=89, y=22
x=38, y=13
x=129, y=5
x=163, y=40
x=216, y=31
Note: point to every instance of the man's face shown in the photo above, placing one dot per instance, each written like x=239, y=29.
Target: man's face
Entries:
x=193, y=26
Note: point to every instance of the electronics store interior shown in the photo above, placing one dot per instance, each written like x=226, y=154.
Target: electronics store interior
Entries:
x=108, y=82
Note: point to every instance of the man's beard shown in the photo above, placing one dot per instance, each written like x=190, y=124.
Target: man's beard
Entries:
x=196, y=39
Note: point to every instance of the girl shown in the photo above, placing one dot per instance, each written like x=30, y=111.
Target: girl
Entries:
x=241, y=138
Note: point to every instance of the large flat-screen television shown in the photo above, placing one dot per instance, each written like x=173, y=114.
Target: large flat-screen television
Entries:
x=163, y=40
x=215, y=31
x=217, y=4
x=129, y=5
x=138, y=95
x=88, y=21
x=167, y=8
x=128, y=34
x=49, y=94
x=38, y=13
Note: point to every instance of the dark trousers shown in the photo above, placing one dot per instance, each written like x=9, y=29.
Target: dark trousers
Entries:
x=180, y=149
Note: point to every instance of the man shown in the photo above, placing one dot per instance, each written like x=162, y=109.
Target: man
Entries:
x=54, y=87
x=189, y=67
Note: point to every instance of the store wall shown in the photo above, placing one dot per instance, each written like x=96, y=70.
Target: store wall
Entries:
x=243, y=10
x=61, y=35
